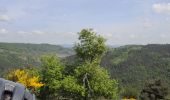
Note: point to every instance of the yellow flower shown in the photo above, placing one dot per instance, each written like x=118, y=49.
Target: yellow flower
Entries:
x=34, y=82
x=129, y=99
x=23, y=77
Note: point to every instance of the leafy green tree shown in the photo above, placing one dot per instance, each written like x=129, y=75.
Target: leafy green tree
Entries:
x=87, y=80
x=95, y=80
x=58, y=84
x=71, y=88
x=90, y=46
x=52, y=76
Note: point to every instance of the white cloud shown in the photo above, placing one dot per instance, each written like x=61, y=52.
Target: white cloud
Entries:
x=161, y=8
x=132, y=36
x=3, y=31
x=38, y=32
x=163, y=35
x=23, y=32
x=35, y=32
x=4, y=18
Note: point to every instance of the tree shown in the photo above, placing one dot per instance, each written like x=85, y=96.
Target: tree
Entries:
x=86, y=80
x=95, y=80
x=90, y=46
x=71, y=88
x=154, y=90
x=52, y=75
x=29, y=80
x=57, y=83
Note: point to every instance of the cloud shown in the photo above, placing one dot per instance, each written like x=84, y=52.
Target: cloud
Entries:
x=165, y=35
x=35, y=32
x=22, y=32
x=3, y=31
x=32, y=33
x=161, y=8
x=132, y=36
x=38, y=32
x=4, y=18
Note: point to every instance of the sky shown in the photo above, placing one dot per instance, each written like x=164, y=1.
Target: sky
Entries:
x=121, y=22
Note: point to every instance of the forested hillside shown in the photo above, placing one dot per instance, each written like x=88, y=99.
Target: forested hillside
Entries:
x=134, y=65
x=20, y=54
x=84, y=79
x=130, y=67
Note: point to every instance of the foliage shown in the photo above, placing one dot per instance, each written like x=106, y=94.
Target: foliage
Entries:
x=129, y=92
x=96, y=81
x=91, y=46
x=130, y=65
x=71, y=88
x=129, y=99
x=139, y=63
x=33, y=70
x=28, y=80
x=19, y=55
x=58, y=84
x=51, y=75
x=154, y=90
x=79, y=80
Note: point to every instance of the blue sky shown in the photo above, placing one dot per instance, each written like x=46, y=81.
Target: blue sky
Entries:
x=58, y=21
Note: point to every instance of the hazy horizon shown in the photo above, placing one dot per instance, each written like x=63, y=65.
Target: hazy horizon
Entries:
x=57, y=21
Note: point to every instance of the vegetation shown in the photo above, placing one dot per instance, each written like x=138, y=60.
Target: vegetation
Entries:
x=129, y=92
x=139, y=64
x=96, y=80
x=129, y=99
x=154, y=90
x=19, y=55
x=57, y=83
x=87, y=80
x=91, y=46
x=29, y=80
x=92, y=72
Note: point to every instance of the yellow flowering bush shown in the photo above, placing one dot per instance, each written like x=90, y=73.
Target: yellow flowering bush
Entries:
x=129, y=99
x=23, y=77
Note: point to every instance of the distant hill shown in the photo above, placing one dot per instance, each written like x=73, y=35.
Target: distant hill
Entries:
x=21, y=54
x=133, y=65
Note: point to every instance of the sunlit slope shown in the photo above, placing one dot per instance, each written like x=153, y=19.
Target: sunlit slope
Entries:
x=131, y=65
x=134, y=65
x=20, y=54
